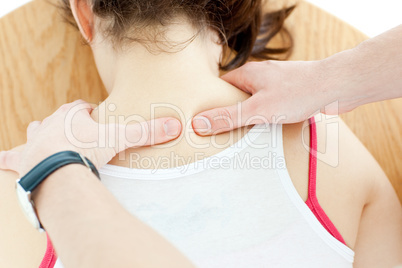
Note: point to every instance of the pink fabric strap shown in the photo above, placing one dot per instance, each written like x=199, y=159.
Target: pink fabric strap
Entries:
x=312, y=201
x=50, y=257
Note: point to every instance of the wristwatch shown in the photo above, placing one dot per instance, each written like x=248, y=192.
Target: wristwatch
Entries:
x=29, y=182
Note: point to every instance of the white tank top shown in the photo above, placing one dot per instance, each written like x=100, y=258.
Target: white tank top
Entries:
x=237, y=208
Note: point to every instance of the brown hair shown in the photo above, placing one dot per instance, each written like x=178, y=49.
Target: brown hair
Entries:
x=240, y=23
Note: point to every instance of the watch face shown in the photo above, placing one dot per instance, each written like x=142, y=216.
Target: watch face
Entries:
x=26, y=205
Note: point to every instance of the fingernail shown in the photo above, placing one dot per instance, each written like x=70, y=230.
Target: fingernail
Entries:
x=172, y=127
x=202, y=124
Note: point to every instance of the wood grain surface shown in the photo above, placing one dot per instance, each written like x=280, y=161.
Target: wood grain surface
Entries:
x=44, y=64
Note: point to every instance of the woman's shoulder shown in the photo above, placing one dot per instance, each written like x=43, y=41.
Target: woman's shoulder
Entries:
x=378, y=242
x=346, y=171
x=20, y=244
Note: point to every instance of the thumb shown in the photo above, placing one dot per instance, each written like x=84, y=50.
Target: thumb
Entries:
x=147, y=133
x=224, y=119
x=9, y=160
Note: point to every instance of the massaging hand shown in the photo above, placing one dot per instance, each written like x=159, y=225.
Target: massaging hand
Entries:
x=290, y=92
x=72, y=128
x=282, y=92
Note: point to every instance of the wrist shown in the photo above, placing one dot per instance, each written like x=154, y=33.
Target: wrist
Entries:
x=59, y=187
x=342, y=83
x=60, y=175
x=323, y=86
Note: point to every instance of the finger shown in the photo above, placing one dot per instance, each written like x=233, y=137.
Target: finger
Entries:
x=147, y=133
x=224, y=119
x=241, y=78
x=32, y=128
x=9, y=160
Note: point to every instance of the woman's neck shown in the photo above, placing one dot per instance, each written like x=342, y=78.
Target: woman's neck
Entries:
x=148, y=85
x=183, y=77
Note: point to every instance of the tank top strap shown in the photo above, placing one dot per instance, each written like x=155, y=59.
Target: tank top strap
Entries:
x=50, y=257
x=312, y=201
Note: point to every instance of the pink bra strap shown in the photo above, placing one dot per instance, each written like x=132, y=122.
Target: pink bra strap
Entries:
x=50, y=257
x=312, y=201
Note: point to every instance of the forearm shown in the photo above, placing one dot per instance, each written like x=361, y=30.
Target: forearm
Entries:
x=89, y=228
x=370, y=72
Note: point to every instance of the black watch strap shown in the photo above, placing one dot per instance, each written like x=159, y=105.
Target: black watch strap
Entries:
x=41, y=171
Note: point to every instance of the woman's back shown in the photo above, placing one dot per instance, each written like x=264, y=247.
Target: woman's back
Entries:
x=237, y=208
x=346, y=174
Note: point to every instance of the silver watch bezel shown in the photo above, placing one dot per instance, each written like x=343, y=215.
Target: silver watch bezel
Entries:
x=27, y=206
